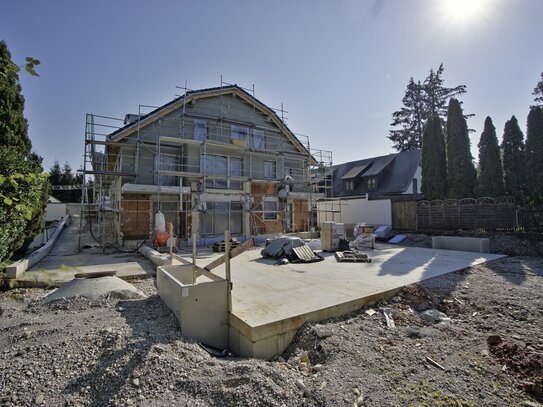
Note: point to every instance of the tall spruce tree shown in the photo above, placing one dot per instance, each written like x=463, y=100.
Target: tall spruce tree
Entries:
x=434, y=163
x=461, y=174
x=534, y=155
x=490, y=179
x=411, y=118
x=421, y=101
x=514, y=164
x=538, y=92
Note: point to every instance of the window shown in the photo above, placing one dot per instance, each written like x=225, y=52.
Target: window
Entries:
x=270, y=209
x=257, y=140
x=225, y=166
x=200, y=130
x=221, y=216
x=349, y=185
x=372, y=183
x=270, y=170
x=415, y=186
x=238, y=132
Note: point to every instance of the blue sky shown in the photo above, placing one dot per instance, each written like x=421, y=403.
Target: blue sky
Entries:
x=339, y=67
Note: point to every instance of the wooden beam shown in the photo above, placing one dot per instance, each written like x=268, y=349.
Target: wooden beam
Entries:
x=233, y=253
x=199, y=270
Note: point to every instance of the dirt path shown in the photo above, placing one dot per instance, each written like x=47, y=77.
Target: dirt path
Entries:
x=110, y=352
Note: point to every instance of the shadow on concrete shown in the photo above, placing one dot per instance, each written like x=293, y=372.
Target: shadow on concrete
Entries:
x=430, y=260
x=152, y=324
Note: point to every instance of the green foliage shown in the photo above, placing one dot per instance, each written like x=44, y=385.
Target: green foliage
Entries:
x=534, y=155
x=23, y=187
x=490, y=179
x=434, y=174
x=65, y=177
x=461, y=174
x=21, y=209
x=411, y=118
x=538, y=92
x=421, y=101
x=514, y=168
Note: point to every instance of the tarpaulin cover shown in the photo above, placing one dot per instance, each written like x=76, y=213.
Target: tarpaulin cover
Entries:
x=282, y=247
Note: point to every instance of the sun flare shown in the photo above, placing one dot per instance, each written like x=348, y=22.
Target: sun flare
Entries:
x=463, y=10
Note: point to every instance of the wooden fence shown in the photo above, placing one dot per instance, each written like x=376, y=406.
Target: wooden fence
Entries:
x=478, y=214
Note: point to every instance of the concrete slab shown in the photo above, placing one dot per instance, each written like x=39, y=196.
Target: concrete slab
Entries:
x=64, y=261
x=271, y=302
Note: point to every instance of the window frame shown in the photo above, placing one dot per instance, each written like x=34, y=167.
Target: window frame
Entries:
x=268, y=214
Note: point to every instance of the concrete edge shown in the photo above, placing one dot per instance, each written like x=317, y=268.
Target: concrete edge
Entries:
x=157, y=258
x=15, y=270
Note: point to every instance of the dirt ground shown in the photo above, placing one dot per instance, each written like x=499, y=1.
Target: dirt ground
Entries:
x=486, y=351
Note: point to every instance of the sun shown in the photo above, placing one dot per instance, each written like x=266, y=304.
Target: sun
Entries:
x=464, y=10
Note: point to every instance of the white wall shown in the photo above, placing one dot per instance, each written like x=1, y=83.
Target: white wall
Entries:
x=55, y=211
x=353, y=211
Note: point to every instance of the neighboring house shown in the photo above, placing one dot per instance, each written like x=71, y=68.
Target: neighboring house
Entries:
x=210, y=160
x=364, y=190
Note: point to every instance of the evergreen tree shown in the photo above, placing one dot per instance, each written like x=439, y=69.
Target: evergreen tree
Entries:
x=534, y=155
x=13, y=125
x=436, y=95
x=411, y=118
x=514, y=160
x=421, y=101
x=490, y=179
x=434, y=165
x=23, y=189
x=461, y=174
x=538, y=92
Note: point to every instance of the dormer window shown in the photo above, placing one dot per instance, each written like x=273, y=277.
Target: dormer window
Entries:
x=349, y=185
x=372, y=183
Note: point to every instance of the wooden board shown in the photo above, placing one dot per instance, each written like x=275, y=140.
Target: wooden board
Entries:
x=352, y=257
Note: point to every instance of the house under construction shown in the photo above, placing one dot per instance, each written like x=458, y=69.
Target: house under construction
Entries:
x=209, y=160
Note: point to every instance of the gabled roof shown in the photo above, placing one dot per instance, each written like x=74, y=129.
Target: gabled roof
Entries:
x=191, y=95
x=400, y=171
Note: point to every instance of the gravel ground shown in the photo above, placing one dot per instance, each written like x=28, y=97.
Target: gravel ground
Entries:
x=486, y=351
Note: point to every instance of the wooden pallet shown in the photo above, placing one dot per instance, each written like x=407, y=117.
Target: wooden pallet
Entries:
x=350, y=256
x=221, y=247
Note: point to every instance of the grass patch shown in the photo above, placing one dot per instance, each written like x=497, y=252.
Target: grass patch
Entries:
x=64, y=267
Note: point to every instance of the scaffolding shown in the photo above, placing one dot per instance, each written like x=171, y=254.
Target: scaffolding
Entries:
x=181, y=160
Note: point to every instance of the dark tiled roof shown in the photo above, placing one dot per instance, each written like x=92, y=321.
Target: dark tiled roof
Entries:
x=400, y=171
x=355, y=171
x=379, y=165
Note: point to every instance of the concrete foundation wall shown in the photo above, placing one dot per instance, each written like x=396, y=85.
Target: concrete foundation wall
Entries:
x=463, y=244
x=200, y=307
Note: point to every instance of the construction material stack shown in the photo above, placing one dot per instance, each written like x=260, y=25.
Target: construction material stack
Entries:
x=331, y=234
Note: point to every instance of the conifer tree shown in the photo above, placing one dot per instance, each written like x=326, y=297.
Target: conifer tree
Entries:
x=514, y=169
x=538, y=92
x=490, y=179
x=434, y=166
x=421, y=101
x=461, y=174
x=534, y=155
x=411, y=118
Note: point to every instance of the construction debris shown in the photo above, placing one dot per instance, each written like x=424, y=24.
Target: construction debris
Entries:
x=352, y=256
x=221, y=246
x=95, y=288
